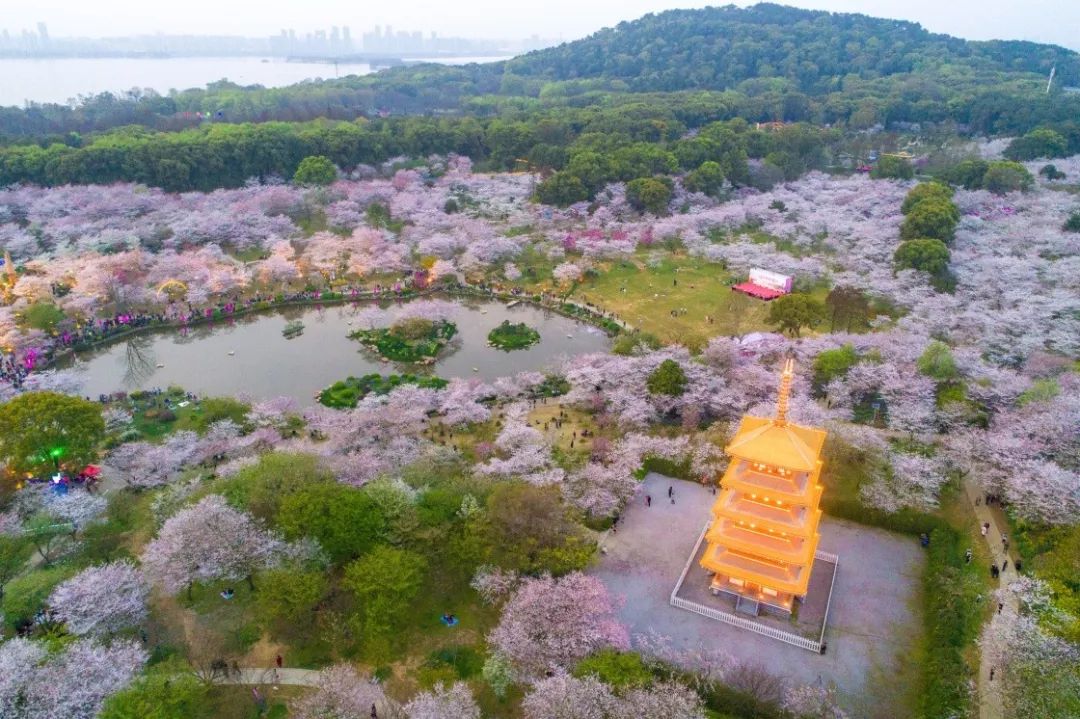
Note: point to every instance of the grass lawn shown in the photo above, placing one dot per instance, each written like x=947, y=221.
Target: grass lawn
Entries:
x=694, y=290
x=238, y=702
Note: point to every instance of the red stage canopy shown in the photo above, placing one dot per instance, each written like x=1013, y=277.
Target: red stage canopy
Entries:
x=762, y=293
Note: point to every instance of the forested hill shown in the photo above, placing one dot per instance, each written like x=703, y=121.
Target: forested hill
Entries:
x=766, y=62
x=720, y=47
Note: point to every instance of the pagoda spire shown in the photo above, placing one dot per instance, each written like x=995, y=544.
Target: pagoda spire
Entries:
x=785, y=392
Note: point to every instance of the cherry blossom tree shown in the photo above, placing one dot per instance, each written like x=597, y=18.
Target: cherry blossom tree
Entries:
x=562, y=696
x=101, y=600
x=209, y=541
x=554, y=622
x=443, y=703
x=341, y=693
x=71, y=684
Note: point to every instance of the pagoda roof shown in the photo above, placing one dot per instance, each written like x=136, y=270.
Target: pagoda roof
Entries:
x=777, y=443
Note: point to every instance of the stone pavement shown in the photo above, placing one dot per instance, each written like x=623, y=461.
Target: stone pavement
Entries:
x=873, y=622
x=286, y=676
x=991, y=704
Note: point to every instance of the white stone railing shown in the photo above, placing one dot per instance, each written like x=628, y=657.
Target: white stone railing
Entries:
x=749, y=624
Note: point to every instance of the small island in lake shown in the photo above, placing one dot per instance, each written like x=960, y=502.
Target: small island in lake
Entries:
x=414, y=339
x=348, y=392
x=509, y=336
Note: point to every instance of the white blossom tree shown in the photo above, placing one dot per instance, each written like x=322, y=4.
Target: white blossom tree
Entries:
x=455, y=702
x=101, y=600
x=209, y=541
x=554, y=622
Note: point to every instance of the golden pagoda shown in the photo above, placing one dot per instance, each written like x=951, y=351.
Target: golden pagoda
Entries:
x=760, y=547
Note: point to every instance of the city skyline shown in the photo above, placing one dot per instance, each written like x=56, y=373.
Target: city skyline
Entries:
x=1046, y=21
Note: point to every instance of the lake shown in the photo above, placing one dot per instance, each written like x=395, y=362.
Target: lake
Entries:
x=265, y=364
x=61, y=79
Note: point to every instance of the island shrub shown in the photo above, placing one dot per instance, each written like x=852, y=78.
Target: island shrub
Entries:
x=516, y=336
x=411, y=340
x=348, y=392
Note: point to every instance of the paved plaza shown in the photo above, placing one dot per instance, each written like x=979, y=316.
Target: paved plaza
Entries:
x=872, y=622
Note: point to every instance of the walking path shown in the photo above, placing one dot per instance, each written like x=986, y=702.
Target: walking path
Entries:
x=991, y=703
x=290, y=677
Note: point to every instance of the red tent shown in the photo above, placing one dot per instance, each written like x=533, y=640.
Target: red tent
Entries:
x=755, y=290
x=92, y=470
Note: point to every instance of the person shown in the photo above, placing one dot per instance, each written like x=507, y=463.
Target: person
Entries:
x=994, y=571
x=670, y=490
x=280, y=661
x=1005, y=565
x=374, y=713
x=985, y=528
x=648, y=500
x=967, y=557
x=1001, y=605
x=1017, y=565
x=228, y=593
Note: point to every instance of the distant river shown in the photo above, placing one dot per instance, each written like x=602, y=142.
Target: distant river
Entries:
x=63, y=79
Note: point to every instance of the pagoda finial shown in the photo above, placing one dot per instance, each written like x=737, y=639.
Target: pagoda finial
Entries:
x=785, y=391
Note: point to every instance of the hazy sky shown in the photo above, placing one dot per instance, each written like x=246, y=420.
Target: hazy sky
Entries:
x=1056, y=21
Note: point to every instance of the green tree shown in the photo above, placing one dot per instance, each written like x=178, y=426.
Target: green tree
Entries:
x=936, y=362
x=707, y=178
x=14, y=552
x=345, y=521
x=1050, y=172
x=1040, y=142
x=847, y=307
x=315, y=170
x=791, y=313
x=892, y=167
x=926, y=191
x=627, y=342
x=44, y=316
x=968, y=174
x=1003, y=177
x=162, y=695
x=26, y=594
x=262, y=487
x=290, y=595
x=41, y=430
x=1073, y=223
x=668, y=378
x=620, y=670
x=386, y=581
x=530, y=529
x=649, y=194
x=562, y=189
x=830, y=364
x=928, y=255
x=932, y=218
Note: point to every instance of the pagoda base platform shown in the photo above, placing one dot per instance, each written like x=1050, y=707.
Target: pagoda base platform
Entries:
x=802, y=623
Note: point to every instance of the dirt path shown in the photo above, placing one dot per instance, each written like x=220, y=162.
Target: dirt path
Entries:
x=991, y=704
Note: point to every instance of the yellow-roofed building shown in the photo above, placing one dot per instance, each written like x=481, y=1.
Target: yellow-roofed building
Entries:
x=760, y=546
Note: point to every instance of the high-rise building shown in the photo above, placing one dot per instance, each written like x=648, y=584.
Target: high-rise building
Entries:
x=764, y=531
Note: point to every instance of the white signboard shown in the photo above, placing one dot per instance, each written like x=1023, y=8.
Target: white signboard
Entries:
x=772, y=280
